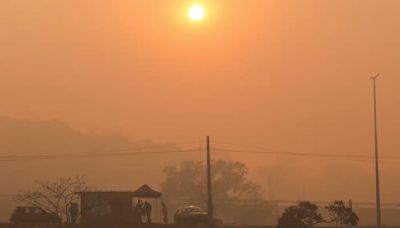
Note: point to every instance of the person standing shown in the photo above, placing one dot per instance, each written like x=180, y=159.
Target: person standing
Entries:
x=73, y=212
x=147, y=210
x=139, y=212
x=164, y=212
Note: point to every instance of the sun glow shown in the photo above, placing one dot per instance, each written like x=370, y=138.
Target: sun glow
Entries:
x=196, y=12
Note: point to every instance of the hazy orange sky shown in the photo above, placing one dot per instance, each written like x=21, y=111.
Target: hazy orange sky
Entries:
x=287, y=75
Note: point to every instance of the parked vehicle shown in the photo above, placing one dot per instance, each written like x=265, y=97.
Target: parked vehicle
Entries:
x=33, y=216
x=190, y=215
x=193, y=215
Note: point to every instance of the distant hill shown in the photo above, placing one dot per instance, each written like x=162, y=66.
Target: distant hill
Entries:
x=26, y=137
x=54, y=137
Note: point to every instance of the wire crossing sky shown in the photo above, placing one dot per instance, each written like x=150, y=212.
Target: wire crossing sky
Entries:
x=148, y=151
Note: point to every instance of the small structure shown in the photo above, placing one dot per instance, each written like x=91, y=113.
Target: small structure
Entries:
x=104, y=208
x=113, y=207
x=146, y=192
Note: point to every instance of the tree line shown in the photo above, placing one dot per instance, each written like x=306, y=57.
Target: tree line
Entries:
x=236, y=198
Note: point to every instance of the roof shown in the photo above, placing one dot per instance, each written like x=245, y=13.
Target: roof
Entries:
x=146, y=192
x=104, y=192
x=143, y=192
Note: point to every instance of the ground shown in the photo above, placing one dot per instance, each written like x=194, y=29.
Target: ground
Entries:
x=6, y=225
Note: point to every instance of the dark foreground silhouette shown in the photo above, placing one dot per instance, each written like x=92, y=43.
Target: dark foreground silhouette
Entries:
x=155, y=225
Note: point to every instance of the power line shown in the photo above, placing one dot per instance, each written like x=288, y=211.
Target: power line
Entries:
x=95, y=152
x=145, y=151
x=129, y=152
x=271, y=151
x=83, y=155
x=365, y=157
x=357, y=203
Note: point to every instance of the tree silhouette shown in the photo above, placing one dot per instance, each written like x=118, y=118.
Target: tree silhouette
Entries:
x=236, y=198
x=55, y=196
x=303, y=215
x=342, y=215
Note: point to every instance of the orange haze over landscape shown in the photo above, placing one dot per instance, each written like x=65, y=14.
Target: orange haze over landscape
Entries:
x=282, y=75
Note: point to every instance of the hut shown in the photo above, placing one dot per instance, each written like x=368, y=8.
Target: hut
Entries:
x=145, y=192
x=115, y=207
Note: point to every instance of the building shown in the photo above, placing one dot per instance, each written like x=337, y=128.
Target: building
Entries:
x=114, y=207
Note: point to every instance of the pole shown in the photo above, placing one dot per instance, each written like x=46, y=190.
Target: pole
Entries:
x=378, y=198
x=209, y=187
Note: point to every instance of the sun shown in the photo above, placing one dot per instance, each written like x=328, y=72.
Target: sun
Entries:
x=196, y=12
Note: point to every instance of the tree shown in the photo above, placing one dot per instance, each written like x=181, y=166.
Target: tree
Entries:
x=303, y=215
x=55, y=196
x=342, y=215
x=236, y=198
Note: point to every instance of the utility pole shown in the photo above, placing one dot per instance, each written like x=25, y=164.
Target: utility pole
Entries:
x=378, y=197
x=209, y=187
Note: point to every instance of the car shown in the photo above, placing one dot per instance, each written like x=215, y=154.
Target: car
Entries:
x=192, y=215
x=23, y=216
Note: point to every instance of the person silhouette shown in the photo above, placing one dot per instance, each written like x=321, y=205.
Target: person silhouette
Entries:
x=147, y=211
x=164, y=212
x=73, y=212
x=139, y=210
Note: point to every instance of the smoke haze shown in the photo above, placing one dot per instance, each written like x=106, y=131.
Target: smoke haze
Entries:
x=84, y=76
